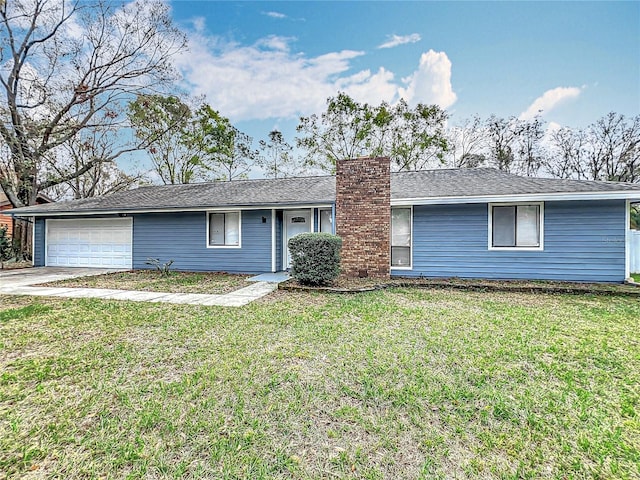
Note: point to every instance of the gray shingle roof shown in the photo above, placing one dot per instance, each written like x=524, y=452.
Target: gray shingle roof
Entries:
x=286, y=191
x=476, y=182
x=321, y=190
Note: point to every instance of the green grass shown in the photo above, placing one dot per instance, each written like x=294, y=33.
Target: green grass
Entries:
x=389, y=384
x=153, y=281
x=636, y=277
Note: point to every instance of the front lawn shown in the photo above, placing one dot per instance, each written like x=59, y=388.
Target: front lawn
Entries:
x=636, y=277
x=391, y=384
x=153, y=281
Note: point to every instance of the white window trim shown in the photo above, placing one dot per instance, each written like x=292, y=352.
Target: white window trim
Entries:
x=273, y=239
x=519, y=249
x=208, y=214
x=46, y=241
x=627, y=240
x=320, y=210
x=33, y=240
x=410, y=267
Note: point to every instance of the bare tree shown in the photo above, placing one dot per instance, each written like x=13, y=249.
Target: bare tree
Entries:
x=614, y=148
x=102, y=179
x=500, y=137
x=63, y=65
x=567, y=157
x=277, y=160
x=467, y=144
x=608, y=149
x=515, y=145
x=528, y=136
x=89, y=146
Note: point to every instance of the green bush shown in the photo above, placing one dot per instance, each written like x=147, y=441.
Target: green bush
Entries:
x=6, y=249
x=315, y=258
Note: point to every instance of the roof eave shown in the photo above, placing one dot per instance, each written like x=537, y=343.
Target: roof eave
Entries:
x=121, y=211
x=538, y=197
x=533, y=197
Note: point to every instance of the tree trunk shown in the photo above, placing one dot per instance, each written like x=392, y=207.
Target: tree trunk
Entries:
x=22, y=239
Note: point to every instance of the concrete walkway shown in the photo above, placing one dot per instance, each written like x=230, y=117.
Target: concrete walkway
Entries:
x=19, y=282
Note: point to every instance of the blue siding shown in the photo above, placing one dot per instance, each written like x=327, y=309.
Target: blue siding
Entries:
x=182, y=237
x=38, y=243
x=583, y=241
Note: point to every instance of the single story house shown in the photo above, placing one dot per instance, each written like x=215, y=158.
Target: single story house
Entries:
x=469, y=223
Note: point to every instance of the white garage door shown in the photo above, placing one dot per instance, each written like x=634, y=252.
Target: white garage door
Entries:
x=104, y=242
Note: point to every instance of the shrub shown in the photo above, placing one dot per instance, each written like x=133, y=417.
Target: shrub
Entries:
x=6, y=249
x=315, y=258
x=163, y=268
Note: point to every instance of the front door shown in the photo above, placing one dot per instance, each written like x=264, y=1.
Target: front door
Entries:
x=295, y=222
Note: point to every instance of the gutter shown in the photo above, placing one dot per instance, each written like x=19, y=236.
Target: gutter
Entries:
x=520, y=197
x=126, y=211
x=28, y=219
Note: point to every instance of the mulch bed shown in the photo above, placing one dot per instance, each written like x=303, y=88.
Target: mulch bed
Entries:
x=357, y=285
x=15, y=265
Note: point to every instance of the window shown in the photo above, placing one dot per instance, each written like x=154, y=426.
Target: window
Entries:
x=326, y=221
x=224, y=229
x=401, y=237
x=516, y=226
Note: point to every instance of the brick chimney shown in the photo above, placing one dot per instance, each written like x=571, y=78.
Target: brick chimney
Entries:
x=363, y=216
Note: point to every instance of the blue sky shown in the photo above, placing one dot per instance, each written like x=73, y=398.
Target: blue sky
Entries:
x=263, y=64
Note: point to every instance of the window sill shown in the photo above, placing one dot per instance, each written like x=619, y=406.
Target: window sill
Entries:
x=402, y=268
x=517, y=249
x=224, y=246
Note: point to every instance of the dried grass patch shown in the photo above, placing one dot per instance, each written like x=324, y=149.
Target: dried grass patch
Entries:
x=152, y=281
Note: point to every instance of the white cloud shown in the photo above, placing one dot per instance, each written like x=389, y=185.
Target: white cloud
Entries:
x=198, y=24
x=368, y=88
x=275, y=15
x=32, y=90
x=262, y=80
x=431, y=83
x=396, y=40
x=553, y=126
x=274, y=42
x=269, y=79
x=550, y=100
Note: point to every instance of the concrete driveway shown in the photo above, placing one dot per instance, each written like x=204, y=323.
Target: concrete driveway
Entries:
x=32, y=276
